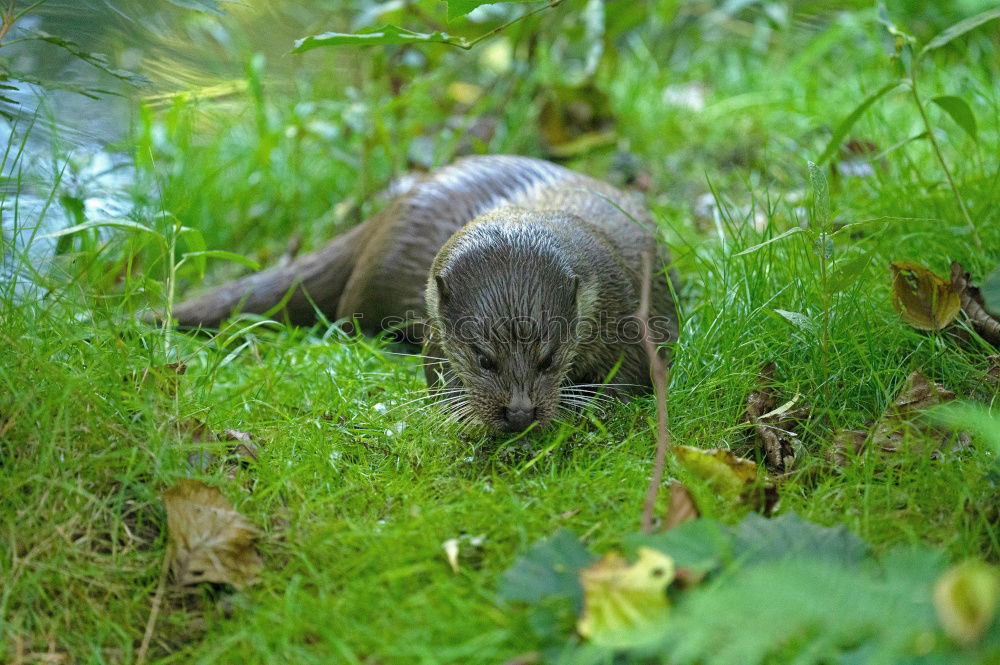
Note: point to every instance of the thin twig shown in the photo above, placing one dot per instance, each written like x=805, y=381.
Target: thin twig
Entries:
x=154, y=612
x=658, y=369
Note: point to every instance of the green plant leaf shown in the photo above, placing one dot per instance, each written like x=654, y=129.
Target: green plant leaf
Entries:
x=97, y=60
x=960, y=112
x=785, y=234
x=223, y=254
x=788, y=536
x=550, y=568
x=833, y=146
x=49, y=84
x=957, y=30
x=699, y=545
x=386, y=34
x=458, y=8
x=846, y=273
x=821, y=194
x=124, y=224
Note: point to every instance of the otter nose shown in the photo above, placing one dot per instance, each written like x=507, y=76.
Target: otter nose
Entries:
x=519, y=418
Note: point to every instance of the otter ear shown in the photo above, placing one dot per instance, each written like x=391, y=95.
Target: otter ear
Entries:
x=443, y=294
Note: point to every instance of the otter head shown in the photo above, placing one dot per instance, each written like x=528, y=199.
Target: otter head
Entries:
x=504, y=301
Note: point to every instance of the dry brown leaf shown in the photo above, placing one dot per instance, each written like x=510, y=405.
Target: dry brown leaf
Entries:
x=982, y=321
x=682, y=506
x=208, y=541
x=924, y=300
x=897, y=424
x=773, y=424
x=245, y=448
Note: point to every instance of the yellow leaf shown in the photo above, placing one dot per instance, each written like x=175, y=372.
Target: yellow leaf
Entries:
x=966, y=598
x=924, y=300
x=625, y=604
x=720, y=468
x=208, y=541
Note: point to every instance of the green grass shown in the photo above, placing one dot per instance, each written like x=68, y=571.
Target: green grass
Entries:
x=355, y=498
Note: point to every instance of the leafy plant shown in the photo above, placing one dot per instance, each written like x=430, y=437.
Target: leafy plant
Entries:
x=782, y=588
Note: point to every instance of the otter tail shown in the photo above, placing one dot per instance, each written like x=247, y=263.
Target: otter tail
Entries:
x=311, y=282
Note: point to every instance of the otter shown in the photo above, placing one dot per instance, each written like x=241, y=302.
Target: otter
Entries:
x=520, y=278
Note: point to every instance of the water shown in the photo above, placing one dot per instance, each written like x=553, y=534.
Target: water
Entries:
x=74, y=146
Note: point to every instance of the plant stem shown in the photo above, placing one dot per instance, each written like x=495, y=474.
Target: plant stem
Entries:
x=659, y=374
x=499, y=28
x=940, y=157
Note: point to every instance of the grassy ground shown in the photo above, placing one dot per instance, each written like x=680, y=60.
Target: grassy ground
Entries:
x=354, y=496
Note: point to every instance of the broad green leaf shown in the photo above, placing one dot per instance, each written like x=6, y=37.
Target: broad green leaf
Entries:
x=991, y=292
x=223, y=254
x=550, y=568
x=386, y=34
x=700, y=545
x=960, y=112
x=788, y=536
x=821, y=194
x=960, y=28
x=833, y=146
x=458, y=8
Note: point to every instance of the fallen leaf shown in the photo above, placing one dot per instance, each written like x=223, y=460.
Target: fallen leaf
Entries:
x=917, y=394
x=682, y=506
x=625, y=604
x=773, y=424
x=924, y=300
x=900, y=422
x=244, y=448
x=720, y=468
x=208, y=541
x=965, y=598
x=984, y=323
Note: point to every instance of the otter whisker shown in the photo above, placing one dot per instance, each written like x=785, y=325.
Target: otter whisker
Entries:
x=423, y=398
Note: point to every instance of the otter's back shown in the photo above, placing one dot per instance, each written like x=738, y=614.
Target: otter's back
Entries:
x=390, y=273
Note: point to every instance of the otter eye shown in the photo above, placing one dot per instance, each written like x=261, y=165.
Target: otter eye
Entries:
x=546, y=362
x=485, y=362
